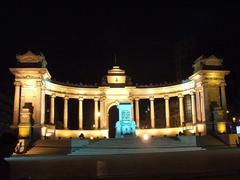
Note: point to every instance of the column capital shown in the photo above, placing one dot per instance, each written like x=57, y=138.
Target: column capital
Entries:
x=197, y=89
x=96, y=98
x=66, y=97
x=192, y=93
x=151, y=98
x=166, y=97
x=180, y=96
x=39, y=83
x=80, y=98
x=43, y=88
x=223, y=84
x=102, y=98
x=137, y=98
x=130, y=98
x=53, y=95
x=17, y=83
x=204, y=84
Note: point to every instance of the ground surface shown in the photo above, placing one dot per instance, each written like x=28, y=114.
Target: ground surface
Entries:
x=209, y=164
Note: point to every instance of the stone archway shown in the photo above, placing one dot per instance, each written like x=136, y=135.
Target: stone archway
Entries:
x=113, y=117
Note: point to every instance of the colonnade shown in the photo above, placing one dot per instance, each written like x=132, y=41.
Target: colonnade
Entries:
x=198, y=98
x=167, y=110
x=80, y=112
x=102, y=114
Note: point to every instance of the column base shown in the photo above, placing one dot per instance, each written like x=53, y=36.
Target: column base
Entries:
x=201, y=129
x=24, y=131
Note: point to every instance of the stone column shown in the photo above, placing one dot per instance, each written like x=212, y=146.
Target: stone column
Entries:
x=52, y=109
x=37, y=104
x=43, y=106
x=65, y=114
x=167, y=111
x=80, y=113
x=16, y=103
x=132, y=107
x=193, y=108
x=181, y=109
x=152, y=114
x=198, y=103
x=202, y=99
x=102, y=113
x=137, y=112
x=132, y=110
x=96, y=112
x=223, y=97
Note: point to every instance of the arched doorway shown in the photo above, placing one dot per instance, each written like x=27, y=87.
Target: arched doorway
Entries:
x=113, y=118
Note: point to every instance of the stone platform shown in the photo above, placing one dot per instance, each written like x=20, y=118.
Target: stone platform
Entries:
x=133, y=145
x=127, y=145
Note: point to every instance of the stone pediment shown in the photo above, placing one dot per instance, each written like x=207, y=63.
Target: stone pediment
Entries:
x=30, y=57
x=213, y=61
x=205, y=62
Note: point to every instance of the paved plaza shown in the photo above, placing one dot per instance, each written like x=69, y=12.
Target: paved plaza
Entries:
x=209, y=164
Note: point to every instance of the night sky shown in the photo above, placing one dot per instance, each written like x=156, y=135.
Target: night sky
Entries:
x=79, y=40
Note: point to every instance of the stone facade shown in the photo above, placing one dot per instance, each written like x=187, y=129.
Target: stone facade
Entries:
x=33, y=82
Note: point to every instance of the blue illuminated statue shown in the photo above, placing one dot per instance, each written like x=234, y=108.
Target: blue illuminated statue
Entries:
x=126, y=125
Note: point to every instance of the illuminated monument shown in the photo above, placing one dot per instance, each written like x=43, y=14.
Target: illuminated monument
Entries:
x=125, y=125
x=200, y=101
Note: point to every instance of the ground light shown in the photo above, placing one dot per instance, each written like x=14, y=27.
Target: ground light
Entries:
x=146, y=138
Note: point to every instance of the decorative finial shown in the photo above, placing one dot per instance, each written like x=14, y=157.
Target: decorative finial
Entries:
x=115, y=58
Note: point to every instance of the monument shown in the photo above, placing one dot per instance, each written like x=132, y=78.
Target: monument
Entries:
x=125, y=125
x=193, y=100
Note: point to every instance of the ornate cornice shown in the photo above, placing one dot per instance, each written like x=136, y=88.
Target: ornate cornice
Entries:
x=30, y=57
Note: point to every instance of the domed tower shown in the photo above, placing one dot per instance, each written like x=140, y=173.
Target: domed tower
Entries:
x=116, y=77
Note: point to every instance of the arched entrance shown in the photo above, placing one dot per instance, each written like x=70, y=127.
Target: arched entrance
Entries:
x=113, y=118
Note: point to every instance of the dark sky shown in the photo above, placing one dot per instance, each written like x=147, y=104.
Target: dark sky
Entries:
x=79, y=40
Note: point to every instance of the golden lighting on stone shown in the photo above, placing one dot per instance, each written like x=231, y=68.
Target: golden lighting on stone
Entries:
x=33, y=84
x=87, y=133
x=201, y=128
x=44, y=130
x=24, y=131
x=116, y=76
x=159, y=132
x=221, y=127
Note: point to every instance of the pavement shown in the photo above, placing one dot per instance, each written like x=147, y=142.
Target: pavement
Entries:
x=222, y=163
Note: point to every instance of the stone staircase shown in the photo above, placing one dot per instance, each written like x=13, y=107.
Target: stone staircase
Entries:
x=132, y=145
x=209, y=142
x=127, y=145
x=138, y=143
x=50, y=146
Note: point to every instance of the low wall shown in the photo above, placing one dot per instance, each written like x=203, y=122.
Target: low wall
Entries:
x=160, y=131
x=230, y=139
x=190, y=140
x=87, y=133
x=103, y=133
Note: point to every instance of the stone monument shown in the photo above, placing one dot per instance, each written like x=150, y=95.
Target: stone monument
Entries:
x=126, y=125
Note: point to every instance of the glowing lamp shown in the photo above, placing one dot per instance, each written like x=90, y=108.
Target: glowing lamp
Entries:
x=234, y=119
x=91, y=137
x=145, y=137
x=221, y=127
